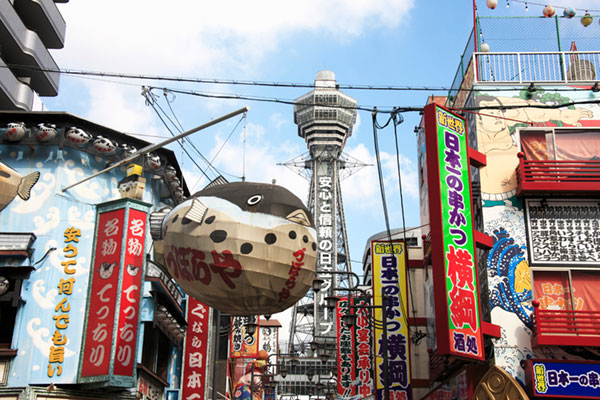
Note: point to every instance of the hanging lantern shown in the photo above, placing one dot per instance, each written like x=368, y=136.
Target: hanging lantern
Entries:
x=569, y=12
x=484, y=48
x=243, y=248
x=549, y=11
x=15, y=131
x=587, y=19
x=492, y=4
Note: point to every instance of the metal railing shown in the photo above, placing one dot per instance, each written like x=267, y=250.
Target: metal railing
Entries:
x=526, y=67
x=566, y=327
x=557, y=175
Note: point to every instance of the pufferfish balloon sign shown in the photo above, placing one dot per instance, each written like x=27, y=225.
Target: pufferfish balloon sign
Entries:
x=242, y=248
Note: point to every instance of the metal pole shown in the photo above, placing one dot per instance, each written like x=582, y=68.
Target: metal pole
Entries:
x=216, y=354
x=156, y=146
x=384, y=343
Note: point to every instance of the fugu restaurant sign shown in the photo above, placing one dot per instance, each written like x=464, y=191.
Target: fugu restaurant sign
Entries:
x=112, y=317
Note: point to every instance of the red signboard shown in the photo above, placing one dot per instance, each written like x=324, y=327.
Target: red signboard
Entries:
x=453, y=255
x=131, y=288
x=364, y=342
x=103, y=296
x=193, y=381
x=241, y=343
x=346, y=366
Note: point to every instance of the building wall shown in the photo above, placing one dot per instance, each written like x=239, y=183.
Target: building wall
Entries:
x=508, y=272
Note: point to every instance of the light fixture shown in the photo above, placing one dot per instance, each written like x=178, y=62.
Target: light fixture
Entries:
x=4, y=285
x=314, y=345
x=16, y=241
x=332, y=301
x=595, y=88
x=316, y=284
x=324, y=357
x=294, y=361
x=283, y=372
x=251, y=328
x=309, y=375
x=349, y=319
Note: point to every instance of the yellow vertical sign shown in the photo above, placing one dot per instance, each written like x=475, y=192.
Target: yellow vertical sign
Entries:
x=388, y=261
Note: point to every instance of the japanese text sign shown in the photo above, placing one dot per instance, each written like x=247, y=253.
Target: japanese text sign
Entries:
x=453, y=248
x=389, y=279
x=563, y=379
x=242, y=343
x=364, y=342
x=193, y=383
x=110, y=337
x=346, y=366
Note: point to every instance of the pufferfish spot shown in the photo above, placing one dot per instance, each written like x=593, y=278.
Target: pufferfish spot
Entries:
x=218, y=236
x=270, y=238
x=292, y=235
x=185, y=221
x=314, y=246
x=210, y=219
x=305, y=239
x=175, y=218
x=246, y=248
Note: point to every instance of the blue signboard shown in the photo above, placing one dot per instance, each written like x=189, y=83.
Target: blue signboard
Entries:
x=577, y=380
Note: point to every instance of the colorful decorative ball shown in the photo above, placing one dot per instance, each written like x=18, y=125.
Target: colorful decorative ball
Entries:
x=569, y=12
x=587, y=19
x=492, y=4
x=45, y=132
x=484, y=48
x=549, y=11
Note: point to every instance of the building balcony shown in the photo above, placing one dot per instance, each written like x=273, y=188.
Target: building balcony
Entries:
x=539, y=177
x=565, y=327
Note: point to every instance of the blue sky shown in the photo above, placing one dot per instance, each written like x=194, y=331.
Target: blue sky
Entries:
x=379, y=42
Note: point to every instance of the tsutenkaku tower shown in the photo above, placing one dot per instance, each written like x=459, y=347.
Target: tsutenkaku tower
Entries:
x=325, y=117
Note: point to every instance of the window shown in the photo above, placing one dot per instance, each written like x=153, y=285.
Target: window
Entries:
x=156, y=350
x=566, y=290
x=560, y=144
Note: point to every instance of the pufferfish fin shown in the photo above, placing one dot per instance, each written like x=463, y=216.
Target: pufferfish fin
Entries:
x=197, y=211
x=298, y=216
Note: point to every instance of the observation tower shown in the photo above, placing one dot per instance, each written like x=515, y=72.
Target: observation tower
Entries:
x=325, y=117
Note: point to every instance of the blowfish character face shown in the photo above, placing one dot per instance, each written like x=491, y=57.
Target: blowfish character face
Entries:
x=243, y=248
x=105, y=270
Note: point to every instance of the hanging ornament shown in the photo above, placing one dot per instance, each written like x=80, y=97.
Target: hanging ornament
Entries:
x=549, y=11
x=485, y=48
x=587, y=19
x=492, y=3
x=526, y=7
x=569, y=12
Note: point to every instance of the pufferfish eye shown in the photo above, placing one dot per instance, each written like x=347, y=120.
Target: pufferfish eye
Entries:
x=254, y=200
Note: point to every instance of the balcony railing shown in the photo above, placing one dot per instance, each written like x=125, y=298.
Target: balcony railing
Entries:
x=567, y=176
x=565, y=327
x=549, y=67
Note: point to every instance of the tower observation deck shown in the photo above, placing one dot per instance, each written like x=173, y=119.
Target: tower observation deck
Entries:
x=325, y=117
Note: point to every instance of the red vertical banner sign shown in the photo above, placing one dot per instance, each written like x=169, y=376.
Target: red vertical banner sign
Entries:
x=346, y=368
x=131, y=289
x=453, y=255
x=103, y=296
x=364, y=342
x=108, y=352
x=193, y=382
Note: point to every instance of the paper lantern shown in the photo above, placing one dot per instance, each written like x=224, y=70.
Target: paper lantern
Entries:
x=549, y=11
x=243, y=248
x=484, y=48
x=587, y=19
x=492, y=3
x=569, y=12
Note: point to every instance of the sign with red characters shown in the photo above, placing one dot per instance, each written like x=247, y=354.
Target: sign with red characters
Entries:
x=193, y=381
x=108, y=354
x=346, y=365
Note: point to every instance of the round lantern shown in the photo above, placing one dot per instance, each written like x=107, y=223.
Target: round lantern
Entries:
x=78, y=136
x=45, y=132
x=484, y=48
x=105, y=145
x=492, y=3
x=15, y=131
x=587, y=19
x=243, y=248
x=549, y=11
x=569, y=12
